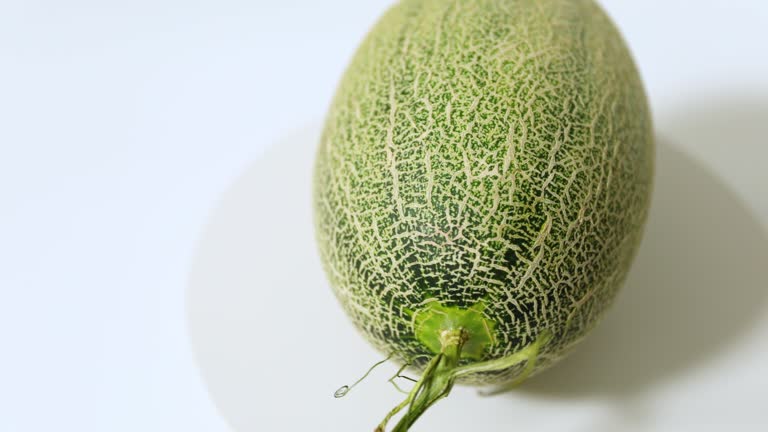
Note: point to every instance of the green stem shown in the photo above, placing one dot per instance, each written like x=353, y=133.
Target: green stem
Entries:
x=442, y=371
x=435, y=383
x=528, y=353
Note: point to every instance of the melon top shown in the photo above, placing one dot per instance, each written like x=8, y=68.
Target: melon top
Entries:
x=488, y=161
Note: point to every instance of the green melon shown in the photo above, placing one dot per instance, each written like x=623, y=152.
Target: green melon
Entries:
x=481, y=185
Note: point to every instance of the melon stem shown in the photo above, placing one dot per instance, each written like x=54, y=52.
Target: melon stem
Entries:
x=435, y=383
x=443, y=369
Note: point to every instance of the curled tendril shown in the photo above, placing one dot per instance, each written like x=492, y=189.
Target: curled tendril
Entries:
x=343, y=390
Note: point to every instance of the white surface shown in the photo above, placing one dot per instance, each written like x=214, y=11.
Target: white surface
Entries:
x=123, y=123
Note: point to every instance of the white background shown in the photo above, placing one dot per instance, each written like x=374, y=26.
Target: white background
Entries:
x=124, y=123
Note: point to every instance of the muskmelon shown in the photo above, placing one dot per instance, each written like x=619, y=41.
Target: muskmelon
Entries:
x=481, y=185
